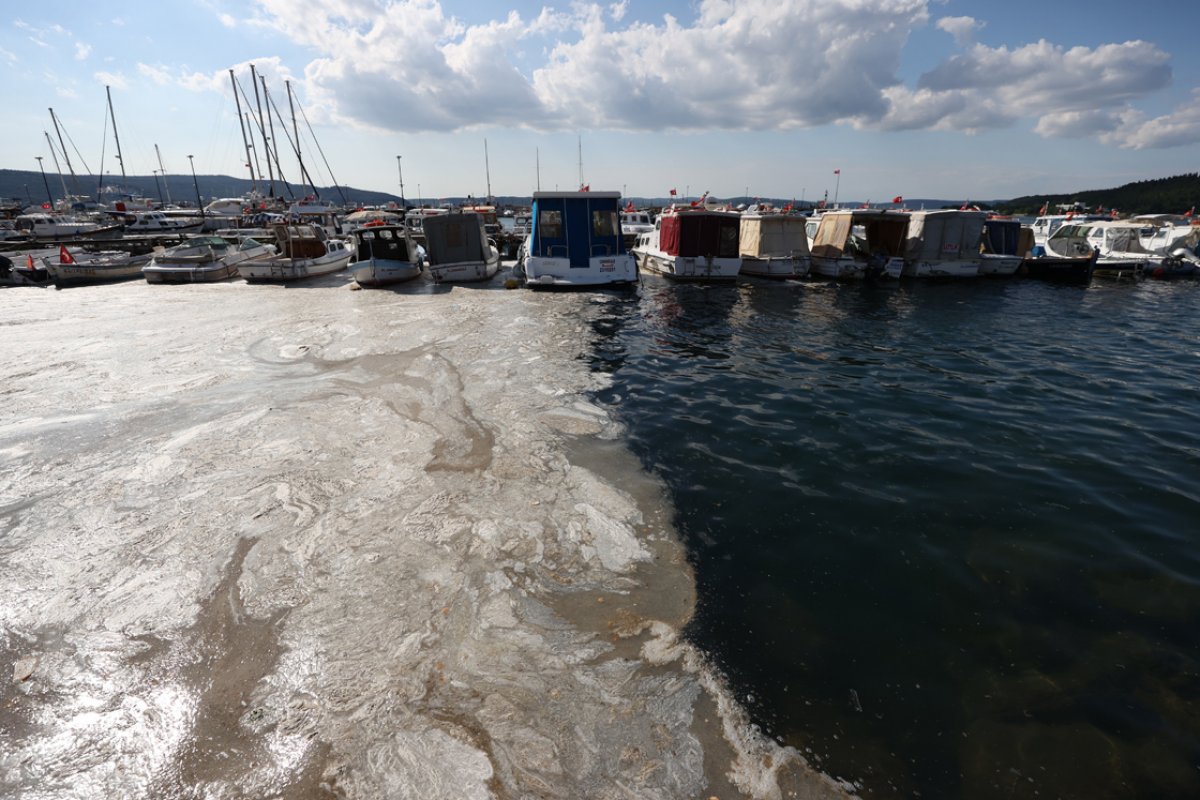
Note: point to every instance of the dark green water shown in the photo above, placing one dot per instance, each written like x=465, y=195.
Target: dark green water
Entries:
x=946, y=536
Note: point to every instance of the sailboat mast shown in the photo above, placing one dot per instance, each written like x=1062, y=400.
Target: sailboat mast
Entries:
x=166, y=182
x=57, y=168
x=116, y=138
x=242, y=125
x=304, y=176
x=537, y=154
x=262, y=130
x=580, y=162
x=273, y=149
x=66, y=155
x=487, y=171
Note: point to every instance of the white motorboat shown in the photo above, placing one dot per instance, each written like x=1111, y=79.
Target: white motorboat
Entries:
x=693, y=243
x=457, y=248
x=46, y=227
x=302, y=251
x=384, y=254
x=158, y=222
x=773, y=244
x=69, y=271
x=204, y=259
x=576, y=241
x=852, y=244
x=1077, y=239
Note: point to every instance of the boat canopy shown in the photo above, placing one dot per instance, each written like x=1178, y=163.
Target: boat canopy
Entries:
x=382, y=242
x=881, y=231
x=1002, y=237
x=454, y=238
x=1122, y=237
x=699, y=233
x=300, y=241
x=1071, y=240
x=949, y=235
x=766, y=235
x=578, y=226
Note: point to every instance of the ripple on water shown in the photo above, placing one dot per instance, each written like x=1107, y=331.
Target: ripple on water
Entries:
x=944, y=535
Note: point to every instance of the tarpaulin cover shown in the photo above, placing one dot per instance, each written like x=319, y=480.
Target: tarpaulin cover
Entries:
x=944, y=235
x=765, y=236
x=1002, y=237
x=699, y=234
x=455, y=238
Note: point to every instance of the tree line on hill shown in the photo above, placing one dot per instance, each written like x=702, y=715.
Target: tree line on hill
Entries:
x=1175, y=195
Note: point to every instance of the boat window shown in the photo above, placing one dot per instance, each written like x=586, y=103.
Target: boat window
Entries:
x=604, y=223
x=550, y=224
x=385, y=235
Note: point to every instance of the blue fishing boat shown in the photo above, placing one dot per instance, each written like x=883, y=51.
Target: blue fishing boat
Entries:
x=575, y=240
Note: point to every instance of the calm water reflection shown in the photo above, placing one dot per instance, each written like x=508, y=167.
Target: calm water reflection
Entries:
x=945, y=535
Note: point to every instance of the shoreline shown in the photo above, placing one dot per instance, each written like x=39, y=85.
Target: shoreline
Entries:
x=343, y=543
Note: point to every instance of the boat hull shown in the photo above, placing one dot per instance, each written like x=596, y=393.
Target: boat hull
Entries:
x=546, y=272
x=941, y=269
x=781, y=267
x=382, y=272
x=685, y=268
x=181, y=273
x=999, y=266
x=289, y=269
x=66, y=275
x=1060, y=269
x=466, y=271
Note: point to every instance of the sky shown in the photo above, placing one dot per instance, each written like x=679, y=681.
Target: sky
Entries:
x=915, y=98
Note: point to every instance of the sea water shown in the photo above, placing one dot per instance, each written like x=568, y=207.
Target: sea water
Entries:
x=946, y=535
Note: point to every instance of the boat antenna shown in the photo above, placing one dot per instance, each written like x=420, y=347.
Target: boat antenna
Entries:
x=166, y=182
x=538, y=156
x=242, y=125
x=103, y=145
x=581, y=162
x=487, y=171
x=262, y=131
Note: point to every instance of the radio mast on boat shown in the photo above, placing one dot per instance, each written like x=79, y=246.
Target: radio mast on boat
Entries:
x=57, y=168
x=66, y=155
x=262, y=131
x=580, y=162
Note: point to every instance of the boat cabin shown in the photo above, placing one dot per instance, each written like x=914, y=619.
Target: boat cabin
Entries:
x=1006, y=237
x=772, y=235
x=577, y=226
x=388, y=242
x=699, y=233
x=860, y=233
x=947, y=235
x=301, y=241
x=455, y=237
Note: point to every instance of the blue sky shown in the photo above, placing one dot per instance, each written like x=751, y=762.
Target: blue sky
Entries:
x=918, y=98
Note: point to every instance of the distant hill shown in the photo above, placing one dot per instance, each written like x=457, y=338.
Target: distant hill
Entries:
x=28, y=186
x=1160, y=195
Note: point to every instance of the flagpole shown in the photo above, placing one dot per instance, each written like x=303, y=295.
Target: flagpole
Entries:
x=837, y=186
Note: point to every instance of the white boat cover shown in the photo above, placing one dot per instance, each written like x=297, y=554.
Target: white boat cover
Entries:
x=948, y=235
x=765, y=236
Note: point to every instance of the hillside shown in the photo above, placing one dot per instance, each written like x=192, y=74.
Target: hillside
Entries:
x=1161, y=195
x=27, y=185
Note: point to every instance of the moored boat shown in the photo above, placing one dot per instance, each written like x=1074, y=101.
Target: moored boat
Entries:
x=1003, y=246
x=694, y=243
x=204, y=259
x=773, y=244
x=1060, y=269
x=384, y=255
x=302, y=251
x=111, y=268
x=576, y=240
x=1073, y=240
x=457, y=249
x=852, y=244
x=943, y=244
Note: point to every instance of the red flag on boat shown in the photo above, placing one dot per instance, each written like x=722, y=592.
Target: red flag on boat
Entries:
x=837, y=172
x=1190, y=211
x=587, y=187
x=29, y=261
x=63, y=256
x=629, y=206
x=672, y=193
x=897, y=199
x=1044, y=209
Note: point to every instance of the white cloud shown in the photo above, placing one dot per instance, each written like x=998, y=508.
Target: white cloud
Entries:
x=1065, y=90
x=1179, y=128
x=961, y=28
x=112, y=79
x=228, y=20
x=406, y=65
x=158, y=73
x=82, y=51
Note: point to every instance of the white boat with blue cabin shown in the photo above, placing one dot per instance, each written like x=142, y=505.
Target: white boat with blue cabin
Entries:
x=576, y=240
